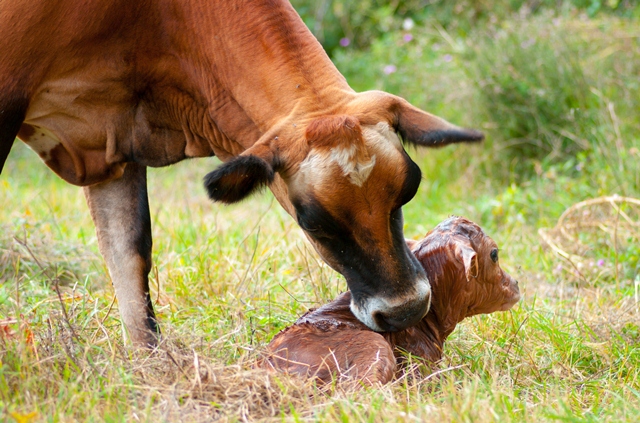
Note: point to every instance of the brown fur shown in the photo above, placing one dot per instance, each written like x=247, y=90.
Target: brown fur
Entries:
x=330, y=131
x=329, y=342
x=96, y=85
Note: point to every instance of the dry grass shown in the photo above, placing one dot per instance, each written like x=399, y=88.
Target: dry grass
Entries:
x=227, y=279
x=589, y=228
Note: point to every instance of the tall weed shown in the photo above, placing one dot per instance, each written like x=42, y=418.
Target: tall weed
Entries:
x=554, y=88
x=534, y=88
x=359, y=24
x=547, y=91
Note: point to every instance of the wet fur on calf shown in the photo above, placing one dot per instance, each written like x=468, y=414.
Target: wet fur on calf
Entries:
x=331, y=343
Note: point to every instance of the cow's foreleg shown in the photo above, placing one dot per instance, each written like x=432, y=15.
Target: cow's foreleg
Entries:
x=120, y=211
x=11, y=117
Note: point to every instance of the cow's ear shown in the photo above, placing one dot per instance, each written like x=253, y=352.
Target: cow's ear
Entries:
x=243, y=175
x=238, y=178
x=424, y=129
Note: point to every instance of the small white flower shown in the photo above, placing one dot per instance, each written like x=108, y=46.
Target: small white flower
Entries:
x=408, y=24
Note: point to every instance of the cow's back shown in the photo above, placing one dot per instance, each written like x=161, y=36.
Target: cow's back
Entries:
x=110, y=81
x=35, y=34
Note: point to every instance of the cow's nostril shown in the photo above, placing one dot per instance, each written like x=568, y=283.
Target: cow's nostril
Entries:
x=392, y=325
x=383, y=322
x=401, y=318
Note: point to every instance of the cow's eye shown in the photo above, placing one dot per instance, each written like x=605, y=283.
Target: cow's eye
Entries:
x=312, y=228
x=494, y=255
x=307, y=226
x=316, y=221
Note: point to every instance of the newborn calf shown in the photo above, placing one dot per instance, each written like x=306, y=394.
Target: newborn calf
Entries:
x=466, y=279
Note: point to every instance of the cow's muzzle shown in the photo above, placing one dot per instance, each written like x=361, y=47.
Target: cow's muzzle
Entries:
x=395, y=314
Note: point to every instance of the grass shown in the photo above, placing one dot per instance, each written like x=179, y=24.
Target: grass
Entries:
x=230, y=278
x=226, y=279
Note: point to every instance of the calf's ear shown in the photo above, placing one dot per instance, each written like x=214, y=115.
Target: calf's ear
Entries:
x=467, y=255
x=243, y=175
x=424, y=129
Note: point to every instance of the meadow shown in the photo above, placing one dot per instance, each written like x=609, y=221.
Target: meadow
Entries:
x=555, y=89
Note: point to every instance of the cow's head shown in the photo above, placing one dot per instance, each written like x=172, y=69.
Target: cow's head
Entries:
x=347, y=177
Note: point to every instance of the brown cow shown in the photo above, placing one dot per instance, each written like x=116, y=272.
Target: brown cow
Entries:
x=466, y=279
x=102, y=89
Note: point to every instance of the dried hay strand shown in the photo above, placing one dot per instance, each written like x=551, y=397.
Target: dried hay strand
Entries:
x=173, y=383
x=608, y=224
x=191, y=387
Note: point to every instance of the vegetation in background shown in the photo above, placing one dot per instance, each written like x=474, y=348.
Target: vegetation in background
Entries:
x=361, y=23
x=547, y=90
x=554, y=84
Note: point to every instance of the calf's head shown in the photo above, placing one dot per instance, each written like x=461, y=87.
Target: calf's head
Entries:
x=347, y=176
x=457, y=251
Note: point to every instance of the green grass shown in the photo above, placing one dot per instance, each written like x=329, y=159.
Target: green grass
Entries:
x=231, y=277
x=226, y=279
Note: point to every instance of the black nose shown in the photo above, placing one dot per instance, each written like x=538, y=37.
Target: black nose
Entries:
x=402, y=319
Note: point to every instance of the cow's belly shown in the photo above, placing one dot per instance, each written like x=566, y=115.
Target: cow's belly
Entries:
x=86, y=131
x=74, y=162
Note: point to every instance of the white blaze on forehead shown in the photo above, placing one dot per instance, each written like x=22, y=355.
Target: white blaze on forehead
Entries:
x=320, y=165
x=357, y=170
x=380, y=140
x=42, y=141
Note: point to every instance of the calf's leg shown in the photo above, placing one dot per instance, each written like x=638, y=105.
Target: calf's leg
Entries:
x=120, y=211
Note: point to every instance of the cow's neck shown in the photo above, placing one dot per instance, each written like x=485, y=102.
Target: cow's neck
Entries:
x=287, y=74
x=268, y=71
x=260, y=67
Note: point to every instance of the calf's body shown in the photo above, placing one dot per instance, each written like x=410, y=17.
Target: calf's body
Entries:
x=462, y=265
x=103, y=89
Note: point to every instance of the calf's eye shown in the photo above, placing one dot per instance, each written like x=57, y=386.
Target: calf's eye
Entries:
x=494, y=255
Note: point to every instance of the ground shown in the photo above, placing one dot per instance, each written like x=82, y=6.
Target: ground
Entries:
x=230, y=277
